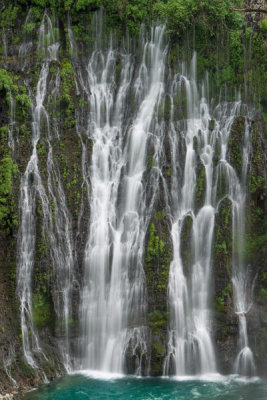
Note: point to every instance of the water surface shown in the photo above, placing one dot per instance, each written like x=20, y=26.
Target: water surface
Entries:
x=98, y=387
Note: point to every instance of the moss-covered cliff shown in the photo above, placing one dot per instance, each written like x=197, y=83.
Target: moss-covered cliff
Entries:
x=231, y=56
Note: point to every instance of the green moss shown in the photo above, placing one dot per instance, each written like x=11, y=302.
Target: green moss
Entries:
x=256, y=183
x=41, y=311
x=150, y=160
x=163, y=277
x=220, y=300
x=185, y=247
x=8, y=217
x=5, y=80
x=211, y=124
x=263, y=295
x=158, y=320
x=167, y=108
x=200, y=186
x=158, y=258
x=263, y=26
x=70, y=322
x=39, y=208
x=158, y=349
x=263, y=286
x=168, y=172
x=7, y=85
x=9, y=16
x=223, y=258
x=67, y=94
x=42, y=301
x=41, y=148
x=23, y=104
x=153, y=244
x=223, y=241
x=66, y=70
x=160, y=215
x=253, y=244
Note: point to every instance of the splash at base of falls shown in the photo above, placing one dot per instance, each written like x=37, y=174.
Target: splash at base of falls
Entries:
x=245, y=364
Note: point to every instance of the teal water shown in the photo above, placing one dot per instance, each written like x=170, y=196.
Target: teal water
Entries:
x=79, y=387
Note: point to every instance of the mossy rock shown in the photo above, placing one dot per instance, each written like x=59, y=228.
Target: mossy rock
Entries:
x=157, y=261
x=185, y=246
x=200, y=186
x=235, y=144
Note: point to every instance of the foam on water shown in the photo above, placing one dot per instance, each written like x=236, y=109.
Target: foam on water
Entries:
x=96, y=374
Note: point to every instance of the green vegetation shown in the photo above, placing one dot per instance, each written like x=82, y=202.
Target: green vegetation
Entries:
x=23, y=103
x=185, y=246
x=205, y=16
x=223, y=241
x=8, y=218
x=158, y=320
x=220, y=300
x=158, y=258
x=263, y=27
x=67, y=87
x=9, y=15
x=200, y=186
x=159, y=349
x=254, y=244
x=160, y=215
x=263, y=284
x=256, y=183
x=153, y=244
x=42, y=302
x=233, y=53
x=235, y=144
x=41, y=311
x=6, y=83
x=263, y=295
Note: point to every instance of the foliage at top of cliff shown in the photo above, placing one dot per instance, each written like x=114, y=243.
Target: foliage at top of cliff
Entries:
x=179, y=14
x=233, y=53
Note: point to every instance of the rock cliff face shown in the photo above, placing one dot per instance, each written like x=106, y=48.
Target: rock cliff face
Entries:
x=47, y=151
x=255, y=16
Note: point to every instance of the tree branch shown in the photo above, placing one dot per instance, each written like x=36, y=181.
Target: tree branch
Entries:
x=260, y=10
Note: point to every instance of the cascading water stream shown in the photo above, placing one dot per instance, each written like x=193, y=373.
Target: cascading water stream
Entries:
x=243, y=292
x=236, y=191
x=27, y=43
x=190, y=348
x=28, y=192
x=113, y=293
x=56, y=224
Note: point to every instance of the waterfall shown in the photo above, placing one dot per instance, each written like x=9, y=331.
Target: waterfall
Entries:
x=190, y=348
x=30, y=185
x=56, y=222
x=114, y=286
x=243, y=292
x=132, y=105
x=236, y=191
x=27, y=43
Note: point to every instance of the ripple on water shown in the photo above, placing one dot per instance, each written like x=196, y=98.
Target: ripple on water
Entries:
x=96, y=386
